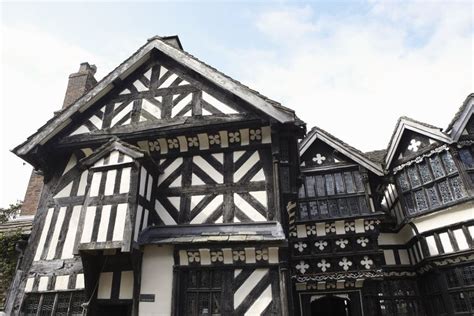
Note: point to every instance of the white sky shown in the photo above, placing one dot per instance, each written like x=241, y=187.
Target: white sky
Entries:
x=350, y=69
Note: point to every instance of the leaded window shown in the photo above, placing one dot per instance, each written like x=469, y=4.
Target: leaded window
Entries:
x=58, y=304
x=337, y=194
x=392, y=298
x=467, y=157
x=202, y=294
x=431, y=183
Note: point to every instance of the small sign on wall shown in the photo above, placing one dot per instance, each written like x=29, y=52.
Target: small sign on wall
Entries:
x=147, y=297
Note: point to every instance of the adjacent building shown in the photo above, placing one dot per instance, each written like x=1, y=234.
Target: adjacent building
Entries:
x=172, y=189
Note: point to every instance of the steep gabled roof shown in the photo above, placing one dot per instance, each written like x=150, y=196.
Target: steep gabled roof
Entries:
x=415, y=126
x=460, y=119
x=171, y=49
x=347, y=150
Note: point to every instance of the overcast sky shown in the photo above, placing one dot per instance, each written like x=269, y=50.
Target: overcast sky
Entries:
x=351, y=68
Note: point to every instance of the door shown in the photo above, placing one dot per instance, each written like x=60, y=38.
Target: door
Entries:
x=330, y=305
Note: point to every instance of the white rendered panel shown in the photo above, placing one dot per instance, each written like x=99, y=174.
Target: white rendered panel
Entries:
x=29, y=285
x=125, y=180
x=126, y=285
x=44, y=234
x=145, y=219
x=138, y=220
x=82, y=183
x=68, y=247
x=61, y=283
x=247, y=209
x=261, y=303
x=389, y=256
x=95, y=184
x=403, y=254
x=88, y=224
x=155, y=283
x=119, y=226
x=65, y=192
x=104, y=223
x=80, y=281
x=55, y=237
x=143, y=175
x=208, y=210
x=104, y=291
x=43, y=284
x=149, y=187
x=447, y=246
x=163, y=214
x=461, y=239
x=110, y=182
x=249, y=163
x=249, y=284
x=433, y=249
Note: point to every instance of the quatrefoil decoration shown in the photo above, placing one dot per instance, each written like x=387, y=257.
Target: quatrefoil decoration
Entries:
x=319, y=159
x=414, y=145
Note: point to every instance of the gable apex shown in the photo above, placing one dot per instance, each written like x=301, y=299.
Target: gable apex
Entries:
x=345, y=149
x=461, y=118
x=62, y=119
x=405, y=123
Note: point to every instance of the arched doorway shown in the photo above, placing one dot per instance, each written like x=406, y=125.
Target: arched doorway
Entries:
x=330, y=305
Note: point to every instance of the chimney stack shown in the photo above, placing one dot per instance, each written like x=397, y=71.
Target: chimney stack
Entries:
x=33, y=194
x=79, y=83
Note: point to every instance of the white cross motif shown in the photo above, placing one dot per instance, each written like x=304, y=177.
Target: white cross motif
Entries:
x=319, y=159
x=217, y=256
x=342, y=243
x=363, y=241
x=311, y=230
x=414, y=145
x=330, y=228
x=323, y=265
x=345, y=263
x=321, y=244
x=193, y=256
x=300, y=246
x=302, y=267
x=349, y=226
x=366, y=262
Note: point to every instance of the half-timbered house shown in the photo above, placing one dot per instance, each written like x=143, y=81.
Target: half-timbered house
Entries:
x=172, y=189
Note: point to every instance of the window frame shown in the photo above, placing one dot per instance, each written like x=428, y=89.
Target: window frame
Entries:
x=53, y=311
x=409, y=194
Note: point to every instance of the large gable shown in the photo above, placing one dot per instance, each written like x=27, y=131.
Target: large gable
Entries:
x=411, y=138
x=158, y=82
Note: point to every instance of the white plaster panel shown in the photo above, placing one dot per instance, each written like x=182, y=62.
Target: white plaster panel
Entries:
x=125, y=180
x=68, y=247
x=461, y=239
x=88, y=224
x=389, y=256
x=44, y=234
x=320, y=229
x=205, y=256
x=340, y=228
x=29, y=284
x=126, y=285
x=250, y=255
x=403, y=254
x=55, y=237
x=61, y=283
x=95, y=184
x=157, y=279
x=43, y=284
x=273, y=255
x=110, y=182
x=432, y=248
x=445, y=217
x=359, y=226
x=80, y=281
x=447, y=247
x=104, y=223
x=261, y=303
x=104, y=291
x=119, y=225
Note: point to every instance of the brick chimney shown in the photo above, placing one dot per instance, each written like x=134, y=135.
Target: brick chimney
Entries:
x=79, y=83
x=33, y=194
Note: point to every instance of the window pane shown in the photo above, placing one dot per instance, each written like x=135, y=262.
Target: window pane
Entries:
x=303, y=208
x=413, y=176
x=301, y=192
x=358, y=181
x=363, y=205
x=205, y=281
x=313, y=209
x=63, y=304
x=321, y=191
x=458, y=188
x=436, y=166
x=466, y=157
x=216, y=280
x=448, y=162
x=78, y=298
x=420, y=200
x=433, y=197
x=403, y=181
x=47, y=304
x=459, y=302
x=343, y=209
x=452, y=278
x=203, y=303
x=191, y=304
x=333, y=208
x=329, y=184
x=425, y=173
x=310, y=186
x=468, y=275
x=409, y=203
x=353, y=205
x=323, y=208
x=30, y=305
x=216, y=304
x=192, y=279
x=445, y=192
x=339, y=183
x=350, y=187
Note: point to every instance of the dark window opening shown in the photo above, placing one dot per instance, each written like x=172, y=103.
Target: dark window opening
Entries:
x=202, y=292
x=62, y=304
